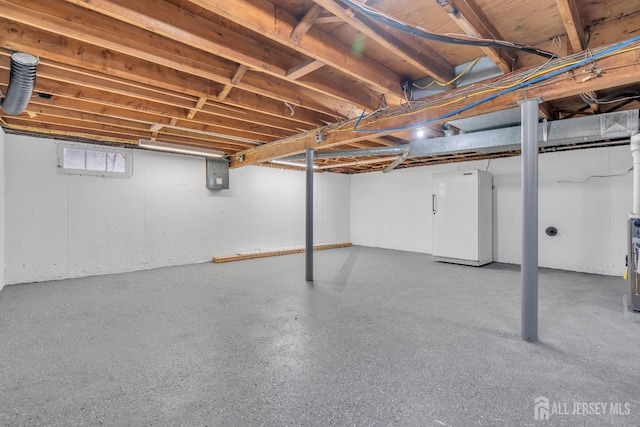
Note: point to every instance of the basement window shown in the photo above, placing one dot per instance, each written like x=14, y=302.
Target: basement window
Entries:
x=83, y=159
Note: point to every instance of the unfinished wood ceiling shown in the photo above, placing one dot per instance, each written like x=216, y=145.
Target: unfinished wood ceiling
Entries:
x=258, y=79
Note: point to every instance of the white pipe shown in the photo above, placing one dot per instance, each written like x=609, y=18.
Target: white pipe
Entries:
x=635, y=152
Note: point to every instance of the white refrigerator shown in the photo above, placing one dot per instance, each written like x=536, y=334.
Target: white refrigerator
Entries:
x=462, y=223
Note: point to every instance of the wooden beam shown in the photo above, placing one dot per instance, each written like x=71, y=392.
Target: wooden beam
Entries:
x=20, y=124
x=156, y=127
x=143, y=108
x=547, y=111
x=328, y=19
x=197, y=108
x=359, y=162
x=277, y=24
x=573, y=24
x=57, y=121
x=90, y=104
x=427, y=60
x=470, y=18
x=305, y=23
x=238, y=257
x=88, y=57
x=191, y=60
x=621, y=69
x=234, y=81
x=304, y=68
x=202, y=38
x=63, y=50
x=76, y=78
x=262, y=110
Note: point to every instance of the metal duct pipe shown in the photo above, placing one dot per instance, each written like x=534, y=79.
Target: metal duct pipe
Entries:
x=635, y=152
x=379, y=151
x=22, y=80
x=601, y=127
x=396, y=163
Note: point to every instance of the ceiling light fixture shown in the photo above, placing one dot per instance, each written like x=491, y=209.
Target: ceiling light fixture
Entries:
x=180, y=149
x=294, y=164
x=420, y=133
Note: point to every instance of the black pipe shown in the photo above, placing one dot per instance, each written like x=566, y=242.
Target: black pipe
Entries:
x=22, y=80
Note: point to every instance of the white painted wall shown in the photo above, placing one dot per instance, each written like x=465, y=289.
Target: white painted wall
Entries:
x=61, y=225
x=394, y=210
x=2, y=204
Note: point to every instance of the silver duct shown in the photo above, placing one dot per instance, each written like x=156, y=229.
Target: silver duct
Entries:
x=22, y=80
x=361, y=152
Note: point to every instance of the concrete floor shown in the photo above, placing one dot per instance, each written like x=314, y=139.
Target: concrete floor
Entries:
x=382, y=338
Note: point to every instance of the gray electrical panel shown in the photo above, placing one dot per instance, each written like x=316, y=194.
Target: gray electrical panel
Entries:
x=217, y=174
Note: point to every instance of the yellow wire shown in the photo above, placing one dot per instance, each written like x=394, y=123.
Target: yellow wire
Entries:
x=497, y=88
x=455, y=79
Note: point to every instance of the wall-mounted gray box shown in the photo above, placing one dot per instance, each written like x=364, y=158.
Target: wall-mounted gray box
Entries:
x=217, y=174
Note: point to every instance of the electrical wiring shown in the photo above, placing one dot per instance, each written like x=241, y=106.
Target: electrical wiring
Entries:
x=598, y=176
x=610, y=99
x=504, y=83
x=541, y=76
x=461, y=39
x=453, y=80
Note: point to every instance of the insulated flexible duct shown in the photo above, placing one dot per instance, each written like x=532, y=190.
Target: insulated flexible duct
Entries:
x=22, y=80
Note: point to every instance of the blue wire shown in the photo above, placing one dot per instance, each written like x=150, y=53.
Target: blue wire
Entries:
x=498, y=94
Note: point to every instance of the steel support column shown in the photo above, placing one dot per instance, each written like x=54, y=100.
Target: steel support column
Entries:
x=309, y=218
x=529, y=272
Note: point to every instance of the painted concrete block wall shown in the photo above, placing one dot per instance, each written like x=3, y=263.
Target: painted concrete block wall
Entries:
x=2, y=204
x=61, y=225
x=394, y=210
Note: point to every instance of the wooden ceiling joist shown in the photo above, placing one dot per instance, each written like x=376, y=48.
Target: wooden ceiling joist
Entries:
x=622, y=69
x=573, y=24
x=305, y=23
x=197, y=108
x=191, y=60
x=198, y=35
x=304, y=68
x=153, y=109
x=264, y=17
x=470, y=18
x=427, y=60
x=259, y=77
x=241, y=103
x=234, y=81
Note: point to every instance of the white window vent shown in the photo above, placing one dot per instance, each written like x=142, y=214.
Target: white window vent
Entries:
x=83, y=159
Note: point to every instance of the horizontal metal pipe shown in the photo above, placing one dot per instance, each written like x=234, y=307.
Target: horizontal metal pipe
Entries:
x=378, y=151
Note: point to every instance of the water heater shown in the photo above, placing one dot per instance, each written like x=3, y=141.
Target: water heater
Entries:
x=633, y=261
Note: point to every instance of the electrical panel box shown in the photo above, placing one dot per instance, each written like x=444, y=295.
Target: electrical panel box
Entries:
x=462, y=217
x=217, y=174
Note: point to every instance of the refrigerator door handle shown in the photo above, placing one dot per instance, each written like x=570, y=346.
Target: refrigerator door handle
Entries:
x=433, y=203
